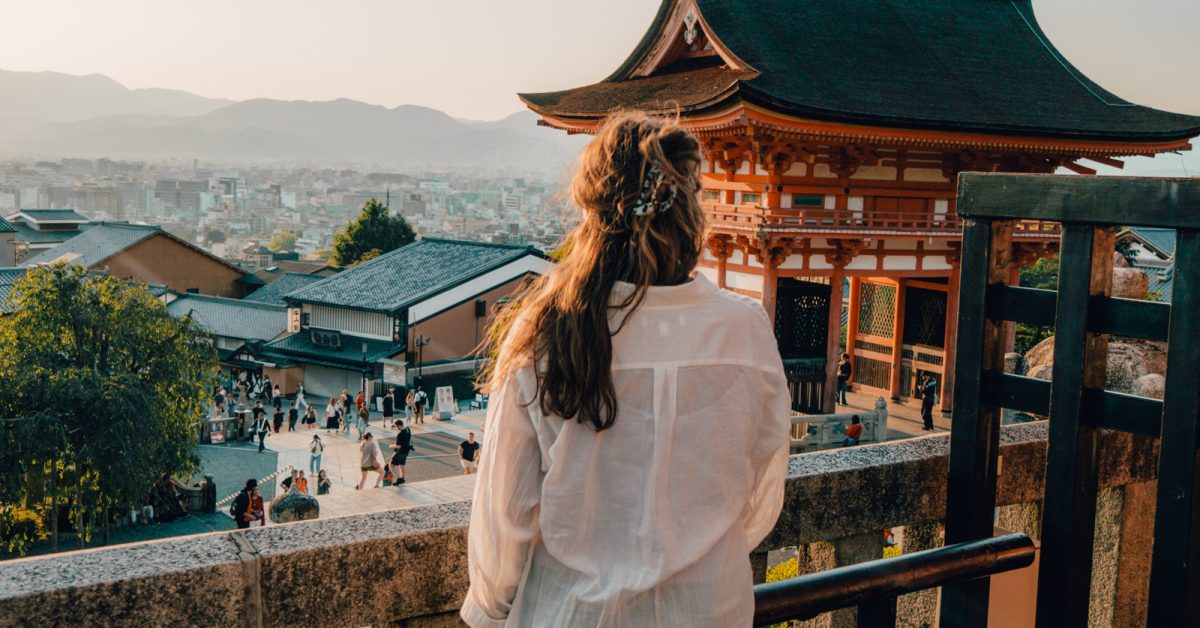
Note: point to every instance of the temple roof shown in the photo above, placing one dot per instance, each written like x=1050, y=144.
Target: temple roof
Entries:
x=968, y=65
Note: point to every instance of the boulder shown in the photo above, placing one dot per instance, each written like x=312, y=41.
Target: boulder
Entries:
x=1130, y=283
x=1014, y=363
x=1128, y=360
x=1152, y=386
x=1119, y=260
x=294, y=506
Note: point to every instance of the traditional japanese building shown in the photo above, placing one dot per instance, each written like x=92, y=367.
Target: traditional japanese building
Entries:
x=833, y=134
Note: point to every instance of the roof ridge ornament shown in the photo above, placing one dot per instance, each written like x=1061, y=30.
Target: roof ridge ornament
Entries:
x=689, y=22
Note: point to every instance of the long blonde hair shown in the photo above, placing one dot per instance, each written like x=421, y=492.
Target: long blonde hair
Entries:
x=637, y=186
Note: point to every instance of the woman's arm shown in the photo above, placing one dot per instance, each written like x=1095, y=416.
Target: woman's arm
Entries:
x=504, y=511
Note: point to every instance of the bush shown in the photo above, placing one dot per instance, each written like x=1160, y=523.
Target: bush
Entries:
x=20, y=528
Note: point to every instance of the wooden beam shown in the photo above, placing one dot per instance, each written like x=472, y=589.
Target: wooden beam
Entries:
x=1137, y=201
x=1108, y=161
x=1078, y=169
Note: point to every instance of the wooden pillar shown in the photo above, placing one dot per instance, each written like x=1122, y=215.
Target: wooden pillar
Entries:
x=833, y=340
x=722, y=261
x=897, y=341
x=1010, y=328
x=947, y=395
x=770, y=286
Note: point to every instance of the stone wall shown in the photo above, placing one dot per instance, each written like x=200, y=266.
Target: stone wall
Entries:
x=408, y=567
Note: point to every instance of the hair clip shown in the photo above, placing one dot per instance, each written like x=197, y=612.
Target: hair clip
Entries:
x=646, y=203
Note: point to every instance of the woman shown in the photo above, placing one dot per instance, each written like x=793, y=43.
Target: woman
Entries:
x=323, y=483
x=331, y=417
x=844, y=371
x=410, y=401
x=310, y=417
x=369, y=461
x=614, y=488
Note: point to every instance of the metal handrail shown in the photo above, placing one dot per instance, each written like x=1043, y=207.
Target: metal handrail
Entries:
x=875, y=585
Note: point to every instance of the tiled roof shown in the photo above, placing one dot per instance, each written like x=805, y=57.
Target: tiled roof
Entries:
x=42, y=215
x=1161, y=239
x=350, y=354
x=8, y=276
x=97, y=244
x=275, y=291
x=26, y=233
x=5, y=227
x=409, y=274
x=232, y=318
x=968, y=65
x=1162, y=281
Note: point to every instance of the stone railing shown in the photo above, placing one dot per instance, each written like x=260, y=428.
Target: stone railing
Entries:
x=408, y=567
x=827, y=430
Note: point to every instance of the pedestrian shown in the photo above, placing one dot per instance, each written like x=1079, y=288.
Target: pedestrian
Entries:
x=323, y=483
x=853, y=432
x=261, y=427
x=389, y=407
x=844, y=371
x=419, y=401
x=607, y=383
x=928, y=399
x=400, y=453
x=288, y=482
x=242, y=508
x=344, y=402
x=410, y=402
x=360, y=401
x=219, y=401
x=301, y=401
x=260, y=512
x=468, y=453
x=277, y=397
x=256, y=389
x=369, y=461
x=310, y=417
x=364, y=419
x=315, y=449
x=302, y=482
x=277, y=421
x=293, y=416
x=256, y=413
x=331, y=416
x=267, y=388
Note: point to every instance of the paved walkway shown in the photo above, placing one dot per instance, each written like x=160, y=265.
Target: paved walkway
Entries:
x=904, y=420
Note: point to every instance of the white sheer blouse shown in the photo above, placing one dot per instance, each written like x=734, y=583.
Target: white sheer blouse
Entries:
x=651, y=521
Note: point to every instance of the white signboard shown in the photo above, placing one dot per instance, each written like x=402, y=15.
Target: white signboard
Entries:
x=446, y=406
x=394, y=373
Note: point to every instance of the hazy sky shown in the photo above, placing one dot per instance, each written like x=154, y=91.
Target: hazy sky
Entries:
x=470, y=57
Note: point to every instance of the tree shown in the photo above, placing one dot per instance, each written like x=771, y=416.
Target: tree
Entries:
x=215, y=236
x=283, y=241
x=103, y=392
x=373, y=229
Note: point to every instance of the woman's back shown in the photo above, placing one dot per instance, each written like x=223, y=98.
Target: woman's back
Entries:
x=652, y=520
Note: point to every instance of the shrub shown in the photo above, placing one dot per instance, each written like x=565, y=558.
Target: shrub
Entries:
x=20, y=528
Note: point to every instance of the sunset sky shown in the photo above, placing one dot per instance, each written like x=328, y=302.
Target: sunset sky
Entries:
x=469, y=57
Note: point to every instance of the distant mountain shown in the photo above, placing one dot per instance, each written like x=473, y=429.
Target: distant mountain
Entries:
x=55, y=97
x=59, y=115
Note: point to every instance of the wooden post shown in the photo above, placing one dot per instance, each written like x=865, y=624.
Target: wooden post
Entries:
x=852, y=319
x=722, y=262
x=975, y=439
x=1010, y=328
x=833, y=340
x=1080, y=361
x=951, y=333
x=897, y=341
x=770, y=286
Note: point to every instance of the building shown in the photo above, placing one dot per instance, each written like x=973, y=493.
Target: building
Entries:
x=149, y=254
x=8, y=245
x=39, y=230
x=232, y=323
x=279, y=286
x=424, y=305
x=825, y=161
x=1152, y=250
x=256, y=256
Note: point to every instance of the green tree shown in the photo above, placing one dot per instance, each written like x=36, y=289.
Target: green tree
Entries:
x=216, y=236
x=282, y=241
x=374, y=229
x=103, y=393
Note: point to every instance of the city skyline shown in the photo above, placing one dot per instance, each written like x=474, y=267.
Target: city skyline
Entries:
x=470, y=61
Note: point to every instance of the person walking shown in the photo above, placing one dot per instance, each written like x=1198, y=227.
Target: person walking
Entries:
x=389, y=407
x=310, y=417
x=419, y=402
x=928, y=399
x=400, y=453
x=277, y=420
x=242, y=507
x=410, y=401
x=844, y=371
x=331, y=417
x=277, y=397
x=268, y=390
x=301, y=401
x=364, y=419
x=853, y=432
x=468, y=453
x=369, y=461
x=261, y=426
x=622, y=339
x=316, y=448
x=344, y=403
x=293, y=416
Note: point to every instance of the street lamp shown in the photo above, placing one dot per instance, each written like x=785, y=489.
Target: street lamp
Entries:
x=420, y=342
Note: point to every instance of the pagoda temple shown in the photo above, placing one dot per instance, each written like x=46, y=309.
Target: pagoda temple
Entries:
x=833, y=134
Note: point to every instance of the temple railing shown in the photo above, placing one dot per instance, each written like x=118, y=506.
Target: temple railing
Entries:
x=408, y=567
x=822, y=220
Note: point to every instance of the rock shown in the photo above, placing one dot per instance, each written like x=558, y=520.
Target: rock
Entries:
x=1130, y=283
x=1152, y=385
x=1014, y=363
x=294, y=506
x=1128, y=360
x=1119, y=260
